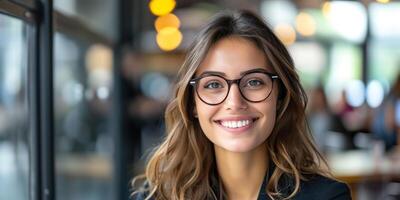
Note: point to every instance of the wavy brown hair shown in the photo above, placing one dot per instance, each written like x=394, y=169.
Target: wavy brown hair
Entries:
x=183, y=165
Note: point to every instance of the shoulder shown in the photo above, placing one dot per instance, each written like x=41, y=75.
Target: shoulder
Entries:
x=320, y=187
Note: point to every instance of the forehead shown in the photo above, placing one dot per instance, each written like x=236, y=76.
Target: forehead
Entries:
x=233, y=55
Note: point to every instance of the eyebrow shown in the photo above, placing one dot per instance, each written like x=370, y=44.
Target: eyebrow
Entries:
x=241, y=73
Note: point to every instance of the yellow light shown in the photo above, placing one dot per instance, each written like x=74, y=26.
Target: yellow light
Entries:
x=326, y=8
x=285, y=33
x=168, y=20
x=169, y=38
x=99, y=57
x=383, y=1
x=162, y=7
x=305, y=24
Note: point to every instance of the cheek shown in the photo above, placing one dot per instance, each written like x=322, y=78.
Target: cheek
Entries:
x=198, y=106
x=270, y=120
x=270, y=112
x=200, y=110
x=205, y=115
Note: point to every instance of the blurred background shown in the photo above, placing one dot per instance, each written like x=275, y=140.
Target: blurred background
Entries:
x=84, y=84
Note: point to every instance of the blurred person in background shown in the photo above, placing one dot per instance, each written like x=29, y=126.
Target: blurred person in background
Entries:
x=236, y=127
x=321, y=119
x=350, y=120
x=386, y=121
x=143, y=112
x=140, y=106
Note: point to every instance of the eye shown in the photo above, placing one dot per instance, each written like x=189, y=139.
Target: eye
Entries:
x=254, y=83
x=213, y=85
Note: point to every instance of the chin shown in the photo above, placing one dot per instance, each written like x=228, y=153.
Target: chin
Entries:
x=239, y=147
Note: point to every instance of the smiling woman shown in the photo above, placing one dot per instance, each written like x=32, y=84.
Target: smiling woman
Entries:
x=252, y=101
x=236, y=126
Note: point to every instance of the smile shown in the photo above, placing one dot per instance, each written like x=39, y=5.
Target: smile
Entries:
x=236, y=124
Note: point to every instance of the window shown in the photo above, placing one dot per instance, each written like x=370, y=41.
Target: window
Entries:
x=83, y=140
x=14, y=132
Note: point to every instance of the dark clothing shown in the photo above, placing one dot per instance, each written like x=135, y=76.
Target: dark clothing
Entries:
x=315, y=188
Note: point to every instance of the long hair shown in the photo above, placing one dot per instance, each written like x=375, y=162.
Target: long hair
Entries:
x=183, y=165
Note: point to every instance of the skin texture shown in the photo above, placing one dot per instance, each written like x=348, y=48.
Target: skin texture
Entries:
x=240, y=154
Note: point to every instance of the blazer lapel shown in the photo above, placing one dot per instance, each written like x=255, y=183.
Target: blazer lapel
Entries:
x=263, y=192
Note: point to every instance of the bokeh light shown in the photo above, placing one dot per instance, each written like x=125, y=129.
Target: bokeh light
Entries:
x=348, y=19
x=375, y=93
x=326, y=8
x=162, y=7
x=278, y=12
x=99, y=56
x=72, y=92
x=103, y=93
x=169, y=38
x=355, y=93
x=383, y=1
x=168, y=20
x=285, y=33
x=156, y=86
x=305, y=24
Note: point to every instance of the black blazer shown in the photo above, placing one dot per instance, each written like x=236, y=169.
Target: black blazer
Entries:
x=315, y=188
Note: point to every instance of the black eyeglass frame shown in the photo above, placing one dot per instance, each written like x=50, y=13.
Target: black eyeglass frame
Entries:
x=193, y=82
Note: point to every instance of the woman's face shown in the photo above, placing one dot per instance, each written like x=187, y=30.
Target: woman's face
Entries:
x=236, y=124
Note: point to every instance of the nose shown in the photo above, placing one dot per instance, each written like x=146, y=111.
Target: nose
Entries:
x=235, y=100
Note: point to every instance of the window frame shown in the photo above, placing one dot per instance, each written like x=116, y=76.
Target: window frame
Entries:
x=15, y=10
x=42, y=22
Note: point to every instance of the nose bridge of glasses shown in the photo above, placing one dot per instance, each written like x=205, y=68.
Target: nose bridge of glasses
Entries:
x=235, y=81
x=237, y=93
x=238, y=84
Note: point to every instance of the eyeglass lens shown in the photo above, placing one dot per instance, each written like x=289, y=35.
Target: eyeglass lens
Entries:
x=254, y=87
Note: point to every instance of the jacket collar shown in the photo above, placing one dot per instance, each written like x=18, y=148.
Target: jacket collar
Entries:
x=285, y=184
x=262, y=195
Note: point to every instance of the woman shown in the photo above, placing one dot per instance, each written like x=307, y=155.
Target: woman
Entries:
x=236, y=126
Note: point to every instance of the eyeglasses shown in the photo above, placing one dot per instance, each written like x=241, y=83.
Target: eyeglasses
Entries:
x=214, y=89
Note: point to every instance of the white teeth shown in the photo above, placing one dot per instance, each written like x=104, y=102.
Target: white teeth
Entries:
x=235, y=124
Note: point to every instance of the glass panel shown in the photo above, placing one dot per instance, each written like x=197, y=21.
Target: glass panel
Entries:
x=310, y=59
x=84, y=144
x=384, y=20
x=348, y=19
x=384, y=51
x=344, y=69
x=99, y=15
x=14, y=134
x=384, y=63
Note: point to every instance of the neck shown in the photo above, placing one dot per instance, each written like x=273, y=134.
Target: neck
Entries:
x=242, y=173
